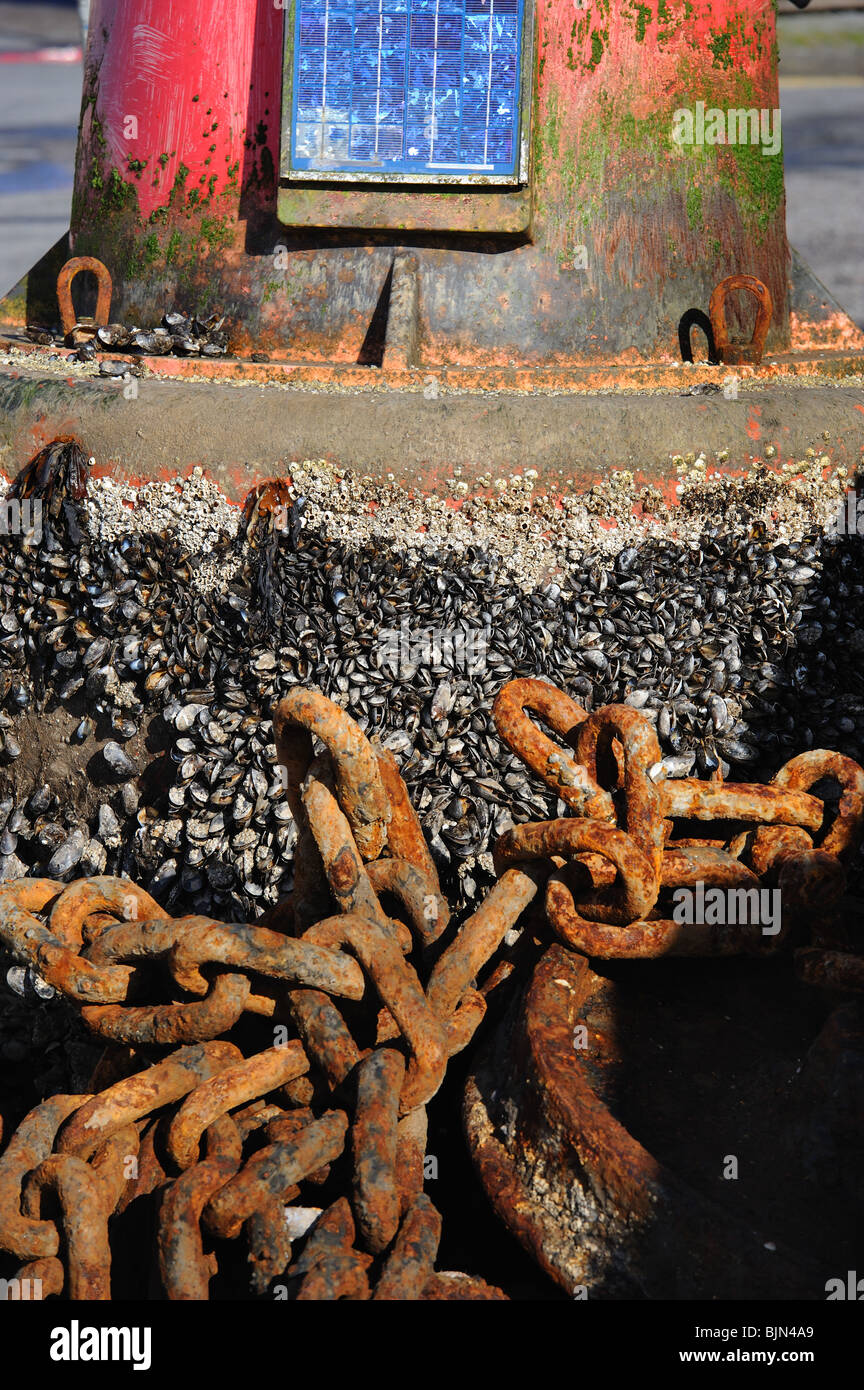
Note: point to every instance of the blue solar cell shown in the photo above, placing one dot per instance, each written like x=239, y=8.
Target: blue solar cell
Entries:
x=339, y=31
x=407, y=86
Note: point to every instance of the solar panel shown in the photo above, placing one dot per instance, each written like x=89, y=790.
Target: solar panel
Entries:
x=429, y=88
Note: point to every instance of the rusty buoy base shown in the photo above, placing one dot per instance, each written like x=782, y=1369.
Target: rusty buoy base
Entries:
x=594, y=1208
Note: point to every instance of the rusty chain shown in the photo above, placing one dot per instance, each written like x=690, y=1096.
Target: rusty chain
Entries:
x=607, y=872
x=367, y=1008
x=227, y=1142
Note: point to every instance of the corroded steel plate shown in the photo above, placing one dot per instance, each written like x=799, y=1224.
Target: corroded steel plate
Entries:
x=603, y=1216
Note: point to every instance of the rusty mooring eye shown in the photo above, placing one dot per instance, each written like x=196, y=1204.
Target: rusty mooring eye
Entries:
x=79, y=330
x=736, y=353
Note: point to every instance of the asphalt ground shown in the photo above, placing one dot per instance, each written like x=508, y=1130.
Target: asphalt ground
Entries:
x=822, y=100
x=39, y=107
x=823, y=143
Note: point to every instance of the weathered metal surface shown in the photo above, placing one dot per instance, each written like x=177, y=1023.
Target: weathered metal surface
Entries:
x=329, y=1268
x=411, y=1262
x=152, y=1176
x=400, y=991
x=138, y=1095
x=185, y=1269
x=374, y=1137
x=25, y=1236
x=269, y=953
x=250, y=1078
x=189, y=943
x=28, y=939
x=340, y=855
x=358, y=780
x=78, y=330
x=605, y=878
x=198, y=1021
x=275, y=1169
x=418, y=893
x=684, y=866
x=501, y=212
x=324, y=1034
x=183, y=204
x=735, y=353
x=617, y=745
x=85, y=907
x=412, y=1133
x=47, y=1279
x=478, y=940
x=449, y=1286
x=559, y=770
x=740, y=801
x=83, y=1217
x=804, y=771
x=593, y=1207
x=643, y=939
x=636, y=884
x=404, y=834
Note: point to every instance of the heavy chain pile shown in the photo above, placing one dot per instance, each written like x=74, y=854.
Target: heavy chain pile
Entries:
x=624, y=846
x=365, y=1008
x=334, y=1090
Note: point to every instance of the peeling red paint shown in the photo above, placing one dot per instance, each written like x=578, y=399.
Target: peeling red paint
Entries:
x=173, y=54
x=608, y=78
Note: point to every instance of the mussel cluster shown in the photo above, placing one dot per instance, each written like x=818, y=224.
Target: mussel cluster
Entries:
x=185, y=335
x=160, y=687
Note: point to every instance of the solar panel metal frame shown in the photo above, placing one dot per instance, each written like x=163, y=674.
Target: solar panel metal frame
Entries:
x=378, y=178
